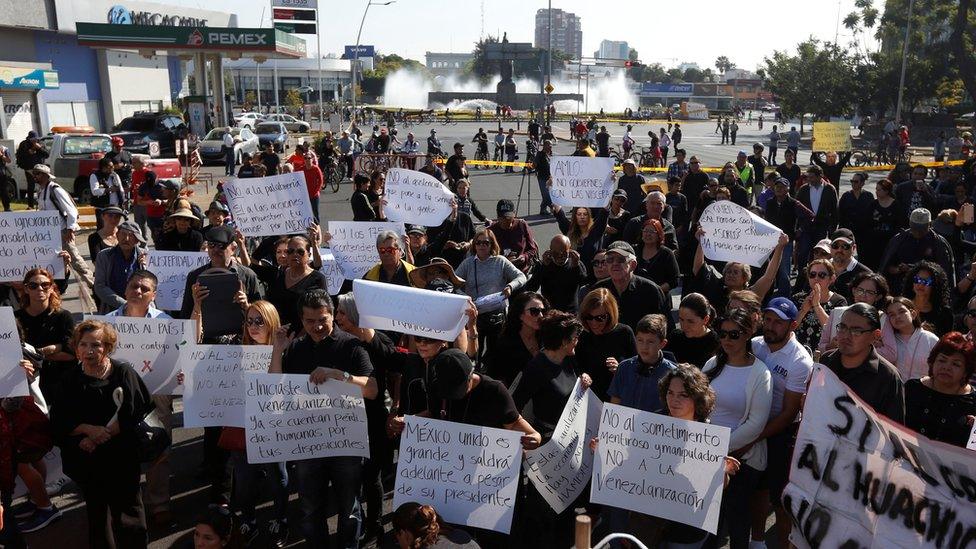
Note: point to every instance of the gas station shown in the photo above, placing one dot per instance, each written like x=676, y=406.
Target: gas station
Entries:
x=206, y=48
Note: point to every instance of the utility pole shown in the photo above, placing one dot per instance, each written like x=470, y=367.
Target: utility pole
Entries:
x=549, y=67
x=904, y=62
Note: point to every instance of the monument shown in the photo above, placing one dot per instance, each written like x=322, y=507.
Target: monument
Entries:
x=505, y=53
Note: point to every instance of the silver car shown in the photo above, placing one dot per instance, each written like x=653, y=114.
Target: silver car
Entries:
x=291, y=123
x=212, y=146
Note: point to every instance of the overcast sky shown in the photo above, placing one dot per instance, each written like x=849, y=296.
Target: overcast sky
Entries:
x=662, y=31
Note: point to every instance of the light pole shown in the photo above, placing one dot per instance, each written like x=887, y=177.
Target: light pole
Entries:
x=904, y=62
x=549, y=65
x=355, y=53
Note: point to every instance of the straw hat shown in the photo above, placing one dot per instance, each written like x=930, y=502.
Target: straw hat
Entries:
x=185, y=213
x=437, y=268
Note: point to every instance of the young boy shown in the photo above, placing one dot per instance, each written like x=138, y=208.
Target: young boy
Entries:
x=635, y=382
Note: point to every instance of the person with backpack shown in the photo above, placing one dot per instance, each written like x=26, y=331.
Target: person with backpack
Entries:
x=30, y=153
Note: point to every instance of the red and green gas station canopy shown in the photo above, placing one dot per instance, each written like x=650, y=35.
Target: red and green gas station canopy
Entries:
x=270, y=43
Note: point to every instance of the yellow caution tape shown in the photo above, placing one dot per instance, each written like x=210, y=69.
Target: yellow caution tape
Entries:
x=710, y=169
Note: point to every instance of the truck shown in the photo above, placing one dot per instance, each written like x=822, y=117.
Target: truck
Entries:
x=74, y=156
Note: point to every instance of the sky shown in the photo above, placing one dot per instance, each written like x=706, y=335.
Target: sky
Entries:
x=661, y=31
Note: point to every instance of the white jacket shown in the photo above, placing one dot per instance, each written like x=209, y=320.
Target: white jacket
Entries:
x=916, y=363
x=759, y=399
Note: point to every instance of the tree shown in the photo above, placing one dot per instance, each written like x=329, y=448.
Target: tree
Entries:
x=632, y=56
x=250, y=98
x=384, y=65
x=723, y=64
x=963, y=46
x=293, y=99
x=674, y=75
x=821, y=79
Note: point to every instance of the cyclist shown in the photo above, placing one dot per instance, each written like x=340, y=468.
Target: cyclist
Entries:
x=434, y=145
x=447, y=116
x=628, y=142
x=481, y=138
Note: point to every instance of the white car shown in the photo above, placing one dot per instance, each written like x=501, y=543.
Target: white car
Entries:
x=249, y=119
x=211, y=147
x=291, y=123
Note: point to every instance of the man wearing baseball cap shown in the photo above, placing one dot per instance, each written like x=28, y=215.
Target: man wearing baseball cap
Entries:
x=114, y=265
x=636, y=295
x=514, y=236
x=916, y=243
x=842, y=252
x=790, y=365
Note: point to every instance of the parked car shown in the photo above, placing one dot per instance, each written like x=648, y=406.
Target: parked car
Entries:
x=211, y=147
x=291, y=123
x=74, y=156
x=274, y=133
x=142, y=128
x=249, y=119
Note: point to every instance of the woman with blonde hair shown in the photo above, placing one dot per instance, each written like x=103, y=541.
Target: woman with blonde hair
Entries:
x=604, y=341
x=585, y=230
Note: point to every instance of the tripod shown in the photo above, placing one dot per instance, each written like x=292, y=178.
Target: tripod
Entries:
x=528, y=198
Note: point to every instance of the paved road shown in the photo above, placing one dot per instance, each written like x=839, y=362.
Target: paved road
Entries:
x=488, y=186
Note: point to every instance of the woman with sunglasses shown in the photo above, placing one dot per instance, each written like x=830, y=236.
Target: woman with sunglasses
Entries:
x=942, y=404
x=928, y=287
x=869, y=288
x=519, y=341
x=904, y=342
x=743, y=396
x=694, y=342
x=816, y=303
x=292, y=281
x=585, y=230
x=47, y=327
x=604, y=342
x=735, y=276
x=655, y=261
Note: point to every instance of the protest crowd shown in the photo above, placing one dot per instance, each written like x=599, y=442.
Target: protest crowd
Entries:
x=431, y=353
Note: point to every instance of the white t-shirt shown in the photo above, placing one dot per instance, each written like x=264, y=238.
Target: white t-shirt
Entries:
x=790, y=368
x=730, y=395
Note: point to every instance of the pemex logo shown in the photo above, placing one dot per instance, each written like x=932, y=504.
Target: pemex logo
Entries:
x=195, y=39
x=119, y=15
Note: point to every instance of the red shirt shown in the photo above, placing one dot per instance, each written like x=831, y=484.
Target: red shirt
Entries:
x=313, y=178
x=297, y=160
x=138, y=178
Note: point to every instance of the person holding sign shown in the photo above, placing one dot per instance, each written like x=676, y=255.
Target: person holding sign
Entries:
x=324, y=353
x=221, y=247
x=47, y=327
x=298, y=277
x=942, y=405
x=52, y=197
x=735, y=276
x=831, y=163
x=585, y=230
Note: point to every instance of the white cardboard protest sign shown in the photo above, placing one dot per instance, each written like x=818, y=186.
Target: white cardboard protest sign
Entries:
x=153, y=346
x=354, y=244
x=581, y=181
x=213, y=386
x=268, y=206
x=13, y=379
x=857, y=479
x=560, y=469
x=289, y=418
x=171, y=269
x=733, y=233
x=469, y=473
x=330, y=268
x=417, y=198
x=414, y=311
x=28, y=240
x=972, y=439
x=660, y=466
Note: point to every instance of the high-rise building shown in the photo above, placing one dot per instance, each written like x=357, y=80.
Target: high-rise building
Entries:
x=567, y=32
x=613, y=49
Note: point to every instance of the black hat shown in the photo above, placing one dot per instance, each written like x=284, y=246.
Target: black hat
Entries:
x=417, y=229
x=505, y=208
x=622, y=248
x=220, y=235
x=451, y=371
x=842, y=234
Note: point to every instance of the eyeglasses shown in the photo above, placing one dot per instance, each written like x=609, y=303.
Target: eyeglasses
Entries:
x=839, y=245
x=728, y=334
x=819, y=274
x=482, y=242
x=924, y=281
x=296, y=251
x=864, y=291
x=42, y=285
x=599, y=318
x=384, y=250
x=258, y=321
x=536, y=311
x=845, y=329
x=217, y=245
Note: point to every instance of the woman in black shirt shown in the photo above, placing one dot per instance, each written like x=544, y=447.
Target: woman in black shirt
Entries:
x=184, y=236
x=604, y=342
x=362, y=210
x=519, y=341
x=105, y=237
x=927, y=286
x=291, y=282
x=695, y=342
x=654, y=260
x=887, y=219
x=47, y=327
x=585, y=230
x=942, y=405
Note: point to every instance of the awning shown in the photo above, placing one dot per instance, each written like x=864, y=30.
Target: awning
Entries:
x=228, y=42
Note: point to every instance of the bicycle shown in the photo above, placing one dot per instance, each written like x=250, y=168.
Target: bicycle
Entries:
x=449, y=121
x=334, y=174
x=480, y=155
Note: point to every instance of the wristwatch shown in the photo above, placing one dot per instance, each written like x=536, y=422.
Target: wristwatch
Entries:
x=346, y=376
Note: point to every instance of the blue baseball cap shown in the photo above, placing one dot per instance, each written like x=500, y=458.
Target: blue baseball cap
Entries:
x=783, y=307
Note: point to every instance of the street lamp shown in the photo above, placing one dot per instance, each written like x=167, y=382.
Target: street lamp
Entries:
x=904, y=61
x=355, y=63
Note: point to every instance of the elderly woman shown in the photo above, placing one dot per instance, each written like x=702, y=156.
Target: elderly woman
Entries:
x=942, y=405
x=184, y=235
x=903, y=340
x=98, y=408
x=604, y=342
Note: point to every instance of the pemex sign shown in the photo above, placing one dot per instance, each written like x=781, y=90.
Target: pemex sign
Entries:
x=189, y=38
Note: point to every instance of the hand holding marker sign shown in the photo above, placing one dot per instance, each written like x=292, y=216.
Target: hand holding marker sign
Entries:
x=417, y=198
x=269, y=206
x=733, y=233
x=581, y=181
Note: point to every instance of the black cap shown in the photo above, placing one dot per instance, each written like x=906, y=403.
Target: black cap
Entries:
x=220, y=235
x=505, y=207
x=417, y=229
x=451, y=371
x=622, y=248
x=846, y=234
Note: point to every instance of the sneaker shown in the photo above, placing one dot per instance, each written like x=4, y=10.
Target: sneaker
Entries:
x=40, y=519
x=249, y=532
x=24, y=510
x=278, y=532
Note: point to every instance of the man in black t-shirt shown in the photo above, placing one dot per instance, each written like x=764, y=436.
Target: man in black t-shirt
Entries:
x=271, y=160
x=636, y=295
x=603, y=142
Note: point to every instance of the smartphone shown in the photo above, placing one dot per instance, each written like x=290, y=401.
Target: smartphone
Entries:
x=967, y=213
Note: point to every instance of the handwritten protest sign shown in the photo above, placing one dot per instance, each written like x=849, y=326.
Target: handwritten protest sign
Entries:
x=268, y=206
x=417, y=198
x=410, y=310
x=581, y=181
x=29, y=240
x=213, y=387
x=832, y=136
x=733, y=233
x=153, y=347
x=171, y=269
x=660, y=466
x=972, y=439
x=330, y=268
x=560, y=469
x=354, y=244
x=289, y=418
x=468, y=473
x=857, y=479
x=13, y=379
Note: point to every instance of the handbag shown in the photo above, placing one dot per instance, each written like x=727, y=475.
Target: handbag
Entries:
x=150, y=433
x=232, y=439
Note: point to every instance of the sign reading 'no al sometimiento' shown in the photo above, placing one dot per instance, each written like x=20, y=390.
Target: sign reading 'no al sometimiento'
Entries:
x=268, y=206
x=733, y=233
x=581, y=181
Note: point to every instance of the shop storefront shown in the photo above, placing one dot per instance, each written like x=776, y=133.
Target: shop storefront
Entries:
x=19, y=87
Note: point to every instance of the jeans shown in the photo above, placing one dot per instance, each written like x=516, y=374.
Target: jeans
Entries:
x=314, y=200
x=783, y=275
x=544, y=193
x=771, y=159
x=313, y=477
x=246, y=479
x=230, y=159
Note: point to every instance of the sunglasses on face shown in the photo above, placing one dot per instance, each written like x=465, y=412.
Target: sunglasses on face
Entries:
x=217, y=245
x=385, y=249
x=840, y=245
x=599, y=318
x=819, y=274
x=923, y=281
x=42, y=285
x=728, y=334
x=536, y=311
x=295, y=251
x=259, y=322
